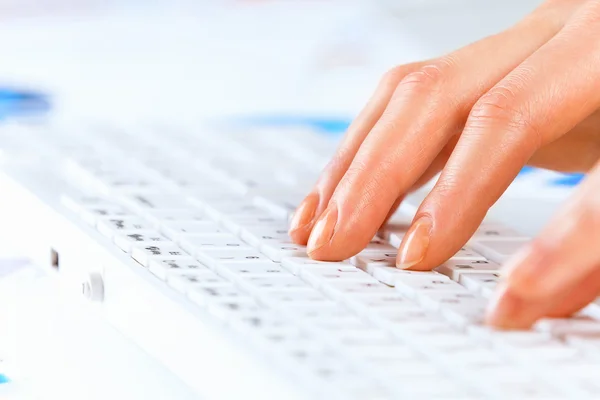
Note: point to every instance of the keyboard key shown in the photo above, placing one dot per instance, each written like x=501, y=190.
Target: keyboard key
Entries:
x=466, y=253
x=339, y=290
x=161, y=217
x=185, y=282
x=389, y=275
x=164, y=267
x=498, y=250
x=276, y=250
x=484, y=283
x=237, y=271
x=126, y=240
x=145, y=201
x=203, y=295
x=494, y=231
x=367, y=262
x=112, y=226
x=176, y=230
x=144, y=253
x=296, y=264
x=319, y=276
x=91, y=214
x=561, y=327
x=194, y=244
x=276, y=283
x=411, y=286
x=213, y=258
x=453, y=268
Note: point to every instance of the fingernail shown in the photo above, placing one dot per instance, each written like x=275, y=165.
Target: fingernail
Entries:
x=323, y=230
x=415, y=243
x=305, y=212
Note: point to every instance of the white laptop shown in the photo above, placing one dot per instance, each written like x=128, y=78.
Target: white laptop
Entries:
x=178, y=237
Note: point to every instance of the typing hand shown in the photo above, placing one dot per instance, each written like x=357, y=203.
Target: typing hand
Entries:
x=529, y=95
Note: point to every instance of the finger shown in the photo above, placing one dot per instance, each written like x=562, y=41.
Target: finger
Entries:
x=434, y=169
x=509, y=310
x=314, y=204
x=424, y=113
x=536, y=103
x=565, y=251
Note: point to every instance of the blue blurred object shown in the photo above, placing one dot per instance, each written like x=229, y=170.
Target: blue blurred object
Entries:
x=14, y=102
x=4, y=379
x=569, y=180
x=333, y=126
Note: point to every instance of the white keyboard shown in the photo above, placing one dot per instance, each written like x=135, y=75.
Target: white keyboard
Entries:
x=207, y=215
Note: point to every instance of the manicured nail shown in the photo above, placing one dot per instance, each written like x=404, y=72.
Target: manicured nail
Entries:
x=305, y=212
x=415, y=243
x=323, y=230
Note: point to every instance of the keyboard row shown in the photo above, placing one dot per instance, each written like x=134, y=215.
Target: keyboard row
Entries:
x=227, y=263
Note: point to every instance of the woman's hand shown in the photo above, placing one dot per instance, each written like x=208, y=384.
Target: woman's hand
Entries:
x=529, y=95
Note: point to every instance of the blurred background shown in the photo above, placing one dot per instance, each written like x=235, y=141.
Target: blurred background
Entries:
x=192, y=59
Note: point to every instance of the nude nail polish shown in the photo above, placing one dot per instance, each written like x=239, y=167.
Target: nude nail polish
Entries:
x=305, y=212
x=415, y=243
x=323, y=230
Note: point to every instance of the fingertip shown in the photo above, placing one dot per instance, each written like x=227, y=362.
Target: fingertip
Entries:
x=507, y=310
x=304, y=216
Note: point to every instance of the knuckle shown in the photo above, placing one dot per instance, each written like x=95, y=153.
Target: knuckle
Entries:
x=500, y=108
x=427, y=79
x=394, y=75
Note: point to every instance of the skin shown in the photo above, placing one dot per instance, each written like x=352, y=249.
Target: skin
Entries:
x=527, y=96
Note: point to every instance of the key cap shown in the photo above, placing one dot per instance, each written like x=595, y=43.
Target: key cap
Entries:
x=185, y=282
x=372, y=304
x=411, y=286
x=254, y=235
x=213, y=258
x=498, y=250
x=284, y=299
x=91, y=214
x=194, y=244
x=161, y=217
x=319, y=276
x=501, y=337
x=110, y=227
x=290, y=283
x=232, y=308
x=203, y=295
x=295, y=264
x=236, y=271
x=494, y=231
x=152, y=201
x=184, y=265
x=466, y=253
x=277, y=250
x=483, y=283
x=367, y=262
x=79, y=202
x=394, y=233
x=538, y=352
x=235, y=224
x=561, y=327
x=378, y=246
x=178, y=229
x=453, y=268
x=155, y=251
x=389, y=275
x=456, y=299
x=338, y=290
x=126, y=240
